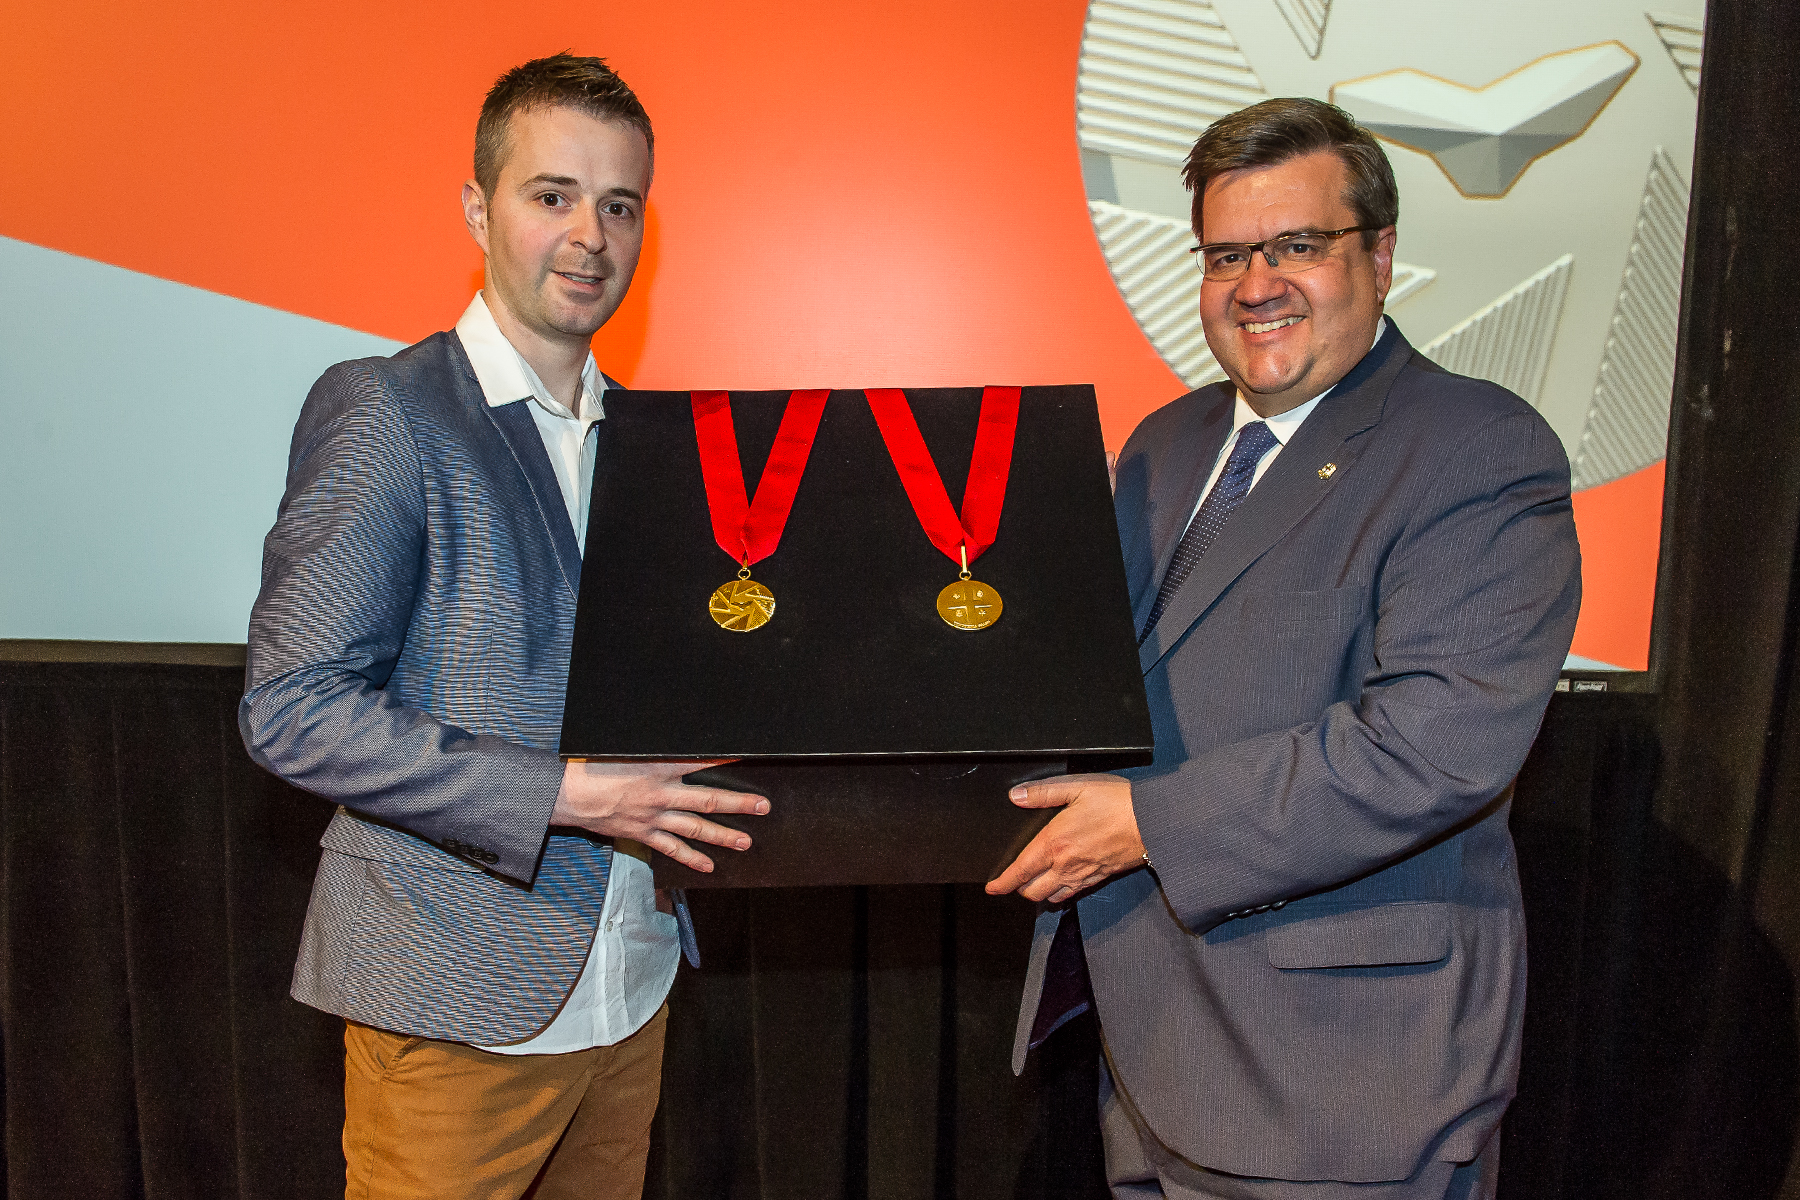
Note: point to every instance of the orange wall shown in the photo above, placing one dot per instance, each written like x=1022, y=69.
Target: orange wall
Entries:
x=846, y=194
x=1621, y=528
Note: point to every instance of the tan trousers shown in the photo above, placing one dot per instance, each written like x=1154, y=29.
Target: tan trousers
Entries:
x=431, y=1120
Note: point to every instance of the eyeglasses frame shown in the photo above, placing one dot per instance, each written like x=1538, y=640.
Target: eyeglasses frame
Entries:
x=1254, y=247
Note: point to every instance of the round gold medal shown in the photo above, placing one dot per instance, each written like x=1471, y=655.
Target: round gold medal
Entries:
x=969, y=604
x=742, y=605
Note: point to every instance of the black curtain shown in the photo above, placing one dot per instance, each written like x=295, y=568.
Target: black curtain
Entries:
x=840, y=1042
x=1722, y=952
x=849, y=1042
x=1671, y=1070
x=154, y=881
x=854, y=1042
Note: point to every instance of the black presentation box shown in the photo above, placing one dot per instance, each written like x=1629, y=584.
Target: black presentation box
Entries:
x=885, y=740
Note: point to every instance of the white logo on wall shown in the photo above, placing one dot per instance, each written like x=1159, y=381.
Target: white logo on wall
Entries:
x=1542, y=179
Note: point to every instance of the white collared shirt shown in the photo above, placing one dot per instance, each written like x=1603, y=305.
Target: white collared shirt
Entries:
x=1284, y=427
x=635, y=952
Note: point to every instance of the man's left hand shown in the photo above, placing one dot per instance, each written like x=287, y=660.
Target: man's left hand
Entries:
x=1094, y=837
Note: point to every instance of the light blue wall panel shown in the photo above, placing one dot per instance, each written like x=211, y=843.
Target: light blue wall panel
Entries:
x=143, y=439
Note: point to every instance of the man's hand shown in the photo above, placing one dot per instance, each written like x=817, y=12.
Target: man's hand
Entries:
x=648, y=803
x=1094, y=837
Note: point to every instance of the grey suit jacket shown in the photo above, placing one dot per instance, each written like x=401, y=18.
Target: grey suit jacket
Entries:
x=408, y=654
x=1323, y=976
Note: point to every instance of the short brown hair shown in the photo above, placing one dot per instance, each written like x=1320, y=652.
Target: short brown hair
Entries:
x=561, y=80
x=1274, y=131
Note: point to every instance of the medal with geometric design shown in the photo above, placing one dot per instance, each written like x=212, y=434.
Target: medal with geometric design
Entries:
x=749, y=530
x=743, y=604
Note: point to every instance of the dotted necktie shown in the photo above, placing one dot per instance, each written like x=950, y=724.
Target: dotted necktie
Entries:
x=1253, y=441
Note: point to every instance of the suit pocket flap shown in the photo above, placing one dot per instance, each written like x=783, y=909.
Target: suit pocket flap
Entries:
x=1383, y=936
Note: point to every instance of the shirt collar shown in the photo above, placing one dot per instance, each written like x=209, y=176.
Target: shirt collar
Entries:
x=504, y=375
x=1285, y=425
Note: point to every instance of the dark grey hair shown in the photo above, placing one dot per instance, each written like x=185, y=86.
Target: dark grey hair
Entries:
x=1276, y=130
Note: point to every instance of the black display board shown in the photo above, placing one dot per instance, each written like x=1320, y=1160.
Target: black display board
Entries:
x=893, y=713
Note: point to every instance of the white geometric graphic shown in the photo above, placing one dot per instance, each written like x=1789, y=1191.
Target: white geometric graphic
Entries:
x=1156, y=275
x=1627, y=425
x=1307, y=18
x=1683, y=37
x=1153, y=74
x=1161, y=285
x=1509, y=340
x=143, y=523
x=1484, y=138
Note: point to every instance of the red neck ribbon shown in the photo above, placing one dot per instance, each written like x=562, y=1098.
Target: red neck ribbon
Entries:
x=747, y=531
x=985, y=494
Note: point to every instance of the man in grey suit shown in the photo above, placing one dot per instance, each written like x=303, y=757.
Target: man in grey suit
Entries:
x=482, y=915
x=1355, y=577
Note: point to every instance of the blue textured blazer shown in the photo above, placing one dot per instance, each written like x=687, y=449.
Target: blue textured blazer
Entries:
x=408, y=654
x=1323, y=977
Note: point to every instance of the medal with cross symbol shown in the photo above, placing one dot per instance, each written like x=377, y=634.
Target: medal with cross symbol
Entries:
x=969, y=603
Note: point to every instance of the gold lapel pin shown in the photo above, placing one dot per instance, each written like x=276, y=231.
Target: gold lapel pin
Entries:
x=1326, y=471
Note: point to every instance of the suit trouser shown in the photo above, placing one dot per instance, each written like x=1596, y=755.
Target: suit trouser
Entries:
x=1140, y=1166
x=432, y=1120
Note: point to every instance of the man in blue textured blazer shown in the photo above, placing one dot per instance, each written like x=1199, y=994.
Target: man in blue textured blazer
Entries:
x=482, y=917
x=1355, y=578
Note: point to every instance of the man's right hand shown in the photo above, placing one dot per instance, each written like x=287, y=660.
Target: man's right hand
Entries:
x=648, y=803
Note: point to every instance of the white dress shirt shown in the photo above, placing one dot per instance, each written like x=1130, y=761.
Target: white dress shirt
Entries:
x=635, y=953
x=1284, y=427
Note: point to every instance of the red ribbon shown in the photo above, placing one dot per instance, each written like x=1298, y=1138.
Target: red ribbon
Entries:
x=750, y=531
x=985, y=494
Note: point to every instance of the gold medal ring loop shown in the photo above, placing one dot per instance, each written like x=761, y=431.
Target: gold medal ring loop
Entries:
x=965, y=560
x=744, y=571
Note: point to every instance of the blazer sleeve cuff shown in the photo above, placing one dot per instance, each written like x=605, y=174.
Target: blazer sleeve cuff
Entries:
x=509, y=837
x=1203, y=888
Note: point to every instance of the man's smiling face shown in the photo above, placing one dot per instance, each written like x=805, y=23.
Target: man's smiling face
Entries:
x=1281, y=338
x=564, y=227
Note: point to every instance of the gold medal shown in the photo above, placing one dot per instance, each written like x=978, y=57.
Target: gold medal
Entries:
x=744, y=604
x=969, y=603
x=751, y=528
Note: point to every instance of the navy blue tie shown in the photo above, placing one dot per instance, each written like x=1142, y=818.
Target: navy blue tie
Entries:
x=1253, y=441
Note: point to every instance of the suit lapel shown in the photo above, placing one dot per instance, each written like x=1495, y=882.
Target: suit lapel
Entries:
x=1172, y=499
x=1291, y=487
x=527, y=444
x=520, y=433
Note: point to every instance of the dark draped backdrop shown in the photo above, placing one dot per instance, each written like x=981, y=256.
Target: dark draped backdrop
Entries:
x=840, y=1042
x=853, y=1042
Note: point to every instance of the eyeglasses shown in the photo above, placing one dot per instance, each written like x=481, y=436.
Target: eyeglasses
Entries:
x=1290, y=253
